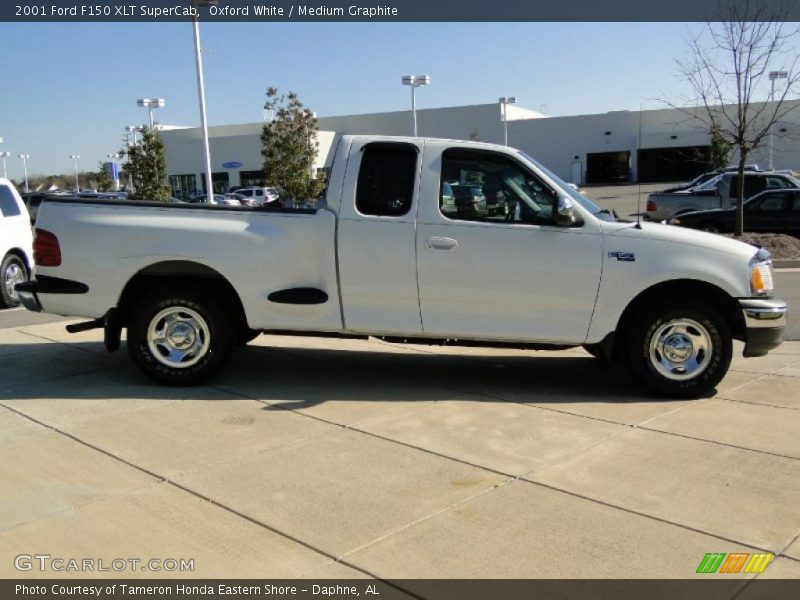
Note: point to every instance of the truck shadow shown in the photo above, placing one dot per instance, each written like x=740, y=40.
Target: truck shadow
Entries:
x=300, y=377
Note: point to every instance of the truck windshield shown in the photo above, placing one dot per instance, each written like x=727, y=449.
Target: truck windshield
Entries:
x=571, y=191
x=709, y=185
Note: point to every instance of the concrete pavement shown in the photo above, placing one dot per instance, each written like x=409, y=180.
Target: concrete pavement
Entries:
x=311, y=457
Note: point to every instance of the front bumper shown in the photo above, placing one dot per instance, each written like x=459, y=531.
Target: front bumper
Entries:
x=765, y=320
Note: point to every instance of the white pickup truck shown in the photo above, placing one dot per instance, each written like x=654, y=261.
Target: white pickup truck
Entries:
x=379, y=257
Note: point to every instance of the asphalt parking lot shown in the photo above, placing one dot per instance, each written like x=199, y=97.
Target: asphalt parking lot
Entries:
x=316, y=458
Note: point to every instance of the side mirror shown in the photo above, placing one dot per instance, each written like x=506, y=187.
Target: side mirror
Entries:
x=565, y=213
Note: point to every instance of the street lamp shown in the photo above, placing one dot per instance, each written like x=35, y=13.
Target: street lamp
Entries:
x=132, y=129
x=75, y=158
x=4, y=156
x=201, y=93
x=150, y=104
x=773, y=75
x=415, y=81
x=25, y=158
x=504, y=102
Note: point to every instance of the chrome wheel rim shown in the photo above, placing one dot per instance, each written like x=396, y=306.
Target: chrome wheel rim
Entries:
x=178, y=337
x=13, y=275
x=681, y=349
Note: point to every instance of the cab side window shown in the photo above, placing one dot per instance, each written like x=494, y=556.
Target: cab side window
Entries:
x=488, y=187
x=386, y=180
x=8, y=204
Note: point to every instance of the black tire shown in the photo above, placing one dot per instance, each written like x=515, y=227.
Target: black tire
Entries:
x=678, y=324
x=12, y=271
x=202, y=322
x=710, y=227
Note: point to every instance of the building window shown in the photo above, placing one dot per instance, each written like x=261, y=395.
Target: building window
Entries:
x=183, y=186
x=219, y=181
x=252, y=178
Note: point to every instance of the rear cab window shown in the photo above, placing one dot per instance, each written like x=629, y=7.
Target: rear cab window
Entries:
x=386, y=179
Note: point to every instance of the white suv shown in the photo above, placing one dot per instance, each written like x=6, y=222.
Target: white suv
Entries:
x=262, y=195
x=16, y=244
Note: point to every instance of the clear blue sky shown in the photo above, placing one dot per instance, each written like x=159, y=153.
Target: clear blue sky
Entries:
x=72, y=88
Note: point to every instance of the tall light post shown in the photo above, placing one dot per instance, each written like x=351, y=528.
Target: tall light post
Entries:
x=773, y=75
x=75, y=158
x=504, y=102
x=132, y=129
x=201, y=93
x=415, y=81
x=25, y=158
x=150, y=104
x=4, y=156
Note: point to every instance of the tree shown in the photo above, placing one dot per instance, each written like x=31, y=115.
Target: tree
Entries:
x=289, y=146
x=720, y=150
x=147, y=164
x=727, y=68
x=103, y=178
x=474, y=135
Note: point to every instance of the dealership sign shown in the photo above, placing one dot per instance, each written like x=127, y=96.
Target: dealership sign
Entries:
x=233, y=164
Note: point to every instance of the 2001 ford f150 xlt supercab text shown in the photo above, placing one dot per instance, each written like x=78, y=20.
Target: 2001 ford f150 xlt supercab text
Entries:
x=380, y=257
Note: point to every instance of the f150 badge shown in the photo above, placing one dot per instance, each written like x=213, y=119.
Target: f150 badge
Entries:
x=623, y=256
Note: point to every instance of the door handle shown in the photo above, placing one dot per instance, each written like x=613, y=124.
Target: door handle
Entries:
x=441, y=244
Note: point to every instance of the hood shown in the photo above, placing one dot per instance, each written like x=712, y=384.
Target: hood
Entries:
x=681, y=235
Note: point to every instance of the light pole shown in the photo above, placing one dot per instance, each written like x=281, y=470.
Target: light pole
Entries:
x=201, y=94
x=25, y=158
x=150, y=104
x=415, y=81
x=504, y=102
x=773, y=75
x=75, y=158
x=132, y=129
x=4, y=156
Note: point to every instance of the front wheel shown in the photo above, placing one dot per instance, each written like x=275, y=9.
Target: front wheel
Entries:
x=679, y=351
x=179, y=338
x=12, y=272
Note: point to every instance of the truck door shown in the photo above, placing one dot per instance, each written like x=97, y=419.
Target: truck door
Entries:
x=508, y=273
x=376, y=238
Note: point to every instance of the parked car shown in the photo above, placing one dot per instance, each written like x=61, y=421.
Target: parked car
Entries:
x=16, y=244
x=470, y=201
x=448, y=200
x=262, y=195
x=243, y=200
x=700, y=179
x=382, y=259
x=773, y=211
x=216, y=199
x=718, y=192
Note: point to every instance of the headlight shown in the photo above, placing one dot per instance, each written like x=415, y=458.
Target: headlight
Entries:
x=675, y=221
x=761, y=274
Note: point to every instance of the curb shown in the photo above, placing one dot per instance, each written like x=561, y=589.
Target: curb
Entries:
x=786, y=264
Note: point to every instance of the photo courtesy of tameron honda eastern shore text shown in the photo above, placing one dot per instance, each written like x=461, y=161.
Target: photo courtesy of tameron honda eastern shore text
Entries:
x=417, y=240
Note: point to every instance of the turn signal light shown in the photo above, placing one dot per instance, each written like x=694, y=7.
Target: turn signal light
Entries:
x=651, y=206
x=46, y=250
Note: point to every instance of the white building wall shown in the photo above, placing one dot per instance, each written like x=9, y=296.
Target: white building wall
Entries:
x=554, y=141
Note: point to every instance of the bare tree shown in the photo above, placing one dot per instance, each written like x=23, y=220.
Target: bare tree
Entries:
x=728, y=65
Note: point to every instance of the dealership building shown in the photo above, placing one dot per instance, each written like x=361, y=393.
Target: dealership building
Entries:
x=612, y=147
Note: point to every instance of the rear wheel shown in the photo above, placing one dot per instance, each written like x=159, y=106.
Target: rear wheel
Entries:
x=180, y=337
x=710, y=227
x=679, y=351
x=12, y=272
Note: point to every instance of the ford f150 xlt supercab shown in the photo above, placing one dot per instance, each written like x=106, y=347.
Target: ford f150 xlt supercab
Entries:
x=380, y=257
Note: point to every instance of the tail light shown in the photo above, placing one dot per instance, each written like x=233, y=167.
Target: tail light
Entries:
x=651, y=206
x=46, y=250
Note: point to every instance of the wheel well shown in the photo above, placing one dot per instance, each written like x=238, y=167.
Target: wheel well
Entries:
x=180, y=273
x=682, y=289
x=21, y=255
